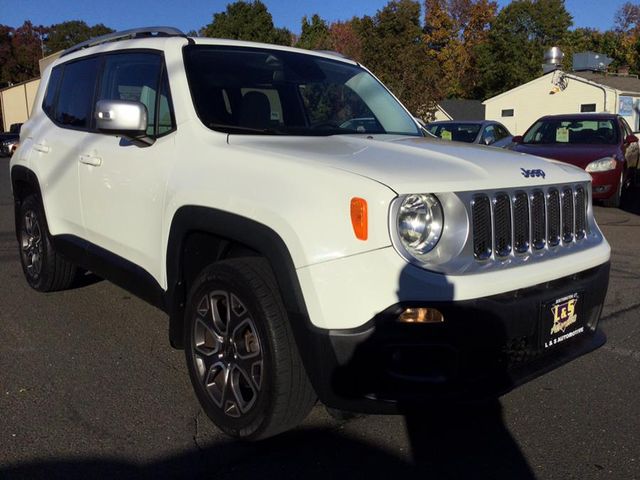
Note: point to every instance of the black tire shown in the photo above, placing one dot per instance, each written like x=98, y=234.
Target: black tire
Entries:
x=256, y=385
x=44, y=268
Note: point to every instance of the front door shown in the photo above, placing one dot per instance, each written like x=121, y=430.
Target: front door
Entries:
x=123, y=184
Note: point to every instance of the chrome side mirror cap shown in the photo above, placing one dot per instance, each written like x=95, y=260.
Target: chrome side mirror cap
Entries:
x=125, y=118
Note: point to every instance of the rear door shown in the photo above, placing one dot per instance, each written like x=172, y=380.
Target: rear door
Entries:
x=123, y=184
x=58, y=139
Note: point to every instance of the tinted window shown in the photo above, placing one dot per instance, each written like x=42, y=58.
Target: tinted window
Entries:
x=75, y=101
x=588, y=107
x=165, y=118
x=508, y=112
x=458, y=132
x=135, y=77
x=52, y=91
x=501, y=132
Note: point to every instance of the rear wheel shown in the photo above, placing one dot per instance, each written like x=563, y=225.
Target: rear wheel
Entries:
x=242, y=359
x=44, y=268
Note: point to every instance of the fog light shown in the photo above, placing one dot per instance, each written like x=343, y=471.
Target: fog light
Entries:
x=421, y=315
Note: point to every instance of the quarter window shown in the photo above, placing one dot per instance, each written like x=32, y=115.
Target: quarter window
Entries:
x=74, y=105
x=48, y=104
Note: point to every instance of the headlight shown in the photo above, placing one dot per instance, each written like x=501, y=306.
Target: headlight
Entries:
x=602, y=165
x=420, y=223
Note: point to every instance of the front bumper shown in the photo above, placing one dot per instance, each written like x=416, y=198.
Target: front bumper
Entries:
x=484, y=348
x=605, y=184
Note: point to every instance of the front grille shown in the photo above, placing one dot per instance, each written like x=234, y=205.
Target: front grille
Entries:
x=520, y=222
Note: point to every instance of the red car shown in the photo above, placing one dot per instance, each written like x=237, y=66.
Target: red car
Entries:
x=600, y=143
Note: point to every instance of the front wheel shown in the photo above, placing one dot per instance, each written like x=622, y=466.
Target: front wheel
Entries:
x=242, y=359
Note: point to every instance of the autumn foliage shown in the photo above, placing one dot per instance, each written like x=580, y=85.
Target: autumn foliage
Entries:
x=424, y=51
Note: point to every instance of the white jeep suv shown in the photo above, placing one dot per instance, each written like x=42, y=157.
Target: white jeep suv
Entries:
x=303, y=236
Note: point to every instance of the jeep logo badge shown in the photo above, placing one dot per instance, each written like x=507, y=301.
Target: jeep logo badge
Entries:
x=532, y=173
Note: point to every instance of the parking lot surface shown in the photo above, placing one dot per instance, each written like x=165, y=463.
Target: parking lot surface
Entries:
x=90, y=388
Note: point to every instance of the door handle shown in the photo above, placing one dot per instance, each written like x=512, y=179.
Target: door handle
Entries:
x=91, y=160
x=39, y=147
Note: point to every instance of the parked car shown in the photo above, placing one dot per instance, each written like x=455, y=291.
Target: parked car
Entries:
x=9, y=140
x=600, y=143
x=298, y=259
x=483, y=132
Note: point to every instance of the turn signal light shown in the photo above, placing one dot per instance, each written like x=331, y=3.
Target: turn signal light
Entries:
x=421, y=315
x=360, y=218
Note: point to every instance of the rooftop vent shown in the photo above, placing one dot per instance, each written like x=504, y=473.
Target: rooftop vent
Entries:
x=552, y=59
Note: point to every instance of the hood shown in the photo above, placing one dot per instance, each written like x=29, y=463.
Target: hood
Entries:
x=414, y=164
x=578, y=155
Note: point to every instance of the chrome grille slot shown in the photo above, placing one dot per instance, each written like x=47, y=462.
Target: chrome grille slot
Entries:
x=481, y=221
x=518, y=222
x=567, y=215
x=538, y=220
x=502, y=224
x=521, y=222
x=553, y=218
x=581, y=213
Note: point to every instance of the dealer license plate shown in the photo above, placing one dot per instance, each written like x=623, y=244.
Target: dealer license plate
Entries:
x=561, y=320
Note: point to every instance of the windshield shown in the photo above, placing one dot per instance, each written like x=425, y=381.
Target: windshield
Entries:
x=572, y=132
x=261, y=91
x=458, y=132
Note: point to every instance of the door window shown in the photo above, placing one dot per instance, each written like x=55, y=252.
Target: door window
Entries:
x=137, y=77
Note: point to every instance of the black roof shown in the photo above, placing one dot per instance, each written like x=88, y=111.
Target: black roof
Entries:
x=625, y=83
x=461, y=109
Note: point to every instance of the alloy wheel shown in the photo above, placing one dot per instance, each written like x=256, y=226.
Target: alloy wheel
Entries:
x=227, y=352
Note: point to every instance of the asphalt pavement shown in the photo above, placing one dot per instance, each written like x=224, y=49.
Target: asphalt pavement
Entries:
x=90, y=388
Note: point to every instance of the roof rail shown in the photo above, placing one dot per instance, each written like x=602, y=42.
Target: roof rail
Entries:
x=126, y=34
x=332, y=52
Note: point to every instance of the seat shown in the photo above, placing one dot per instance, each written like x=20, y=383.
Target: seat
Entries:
x=256, y=110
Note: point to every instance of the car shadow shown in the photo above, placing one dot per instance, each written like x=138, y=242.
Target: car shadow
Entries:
x=471, y=444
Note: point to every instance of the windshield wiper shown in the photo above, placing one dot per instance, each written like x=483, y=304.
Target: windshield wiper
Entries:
x=240, y=129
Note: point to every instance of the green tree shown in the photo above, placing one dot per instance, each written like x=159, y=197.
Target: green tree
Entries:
x=64, y=35
x=393, y=49
x=453, y=30
x=513, y=53
x=249, y=21
x=314, y=34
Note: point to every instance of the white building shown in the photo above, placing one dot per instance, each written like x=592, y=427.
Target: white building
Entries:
x=560, y=92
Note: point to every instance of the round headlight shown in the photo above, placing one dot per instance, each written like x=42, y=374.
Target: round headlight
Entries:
x=420, y=223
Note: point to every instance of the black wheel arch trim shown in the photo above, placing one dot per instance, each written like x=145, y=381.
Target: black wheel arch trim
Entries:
x=22, y=175
x=234, y=228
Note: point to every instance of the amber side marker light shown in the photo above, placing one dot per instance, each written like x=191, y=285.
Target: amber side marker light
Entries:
x=421, y=315
x=360, y=218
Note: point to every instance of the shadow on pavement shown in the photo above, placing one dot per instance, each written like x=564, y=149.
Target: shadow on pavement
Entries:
x=471, y=442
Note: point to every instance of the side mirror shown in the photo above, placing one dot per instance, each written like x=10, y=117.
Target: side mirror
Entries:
x=517, y=139
x=123, y=117
x=630, y=139
x=420, y=122
x=489, y=140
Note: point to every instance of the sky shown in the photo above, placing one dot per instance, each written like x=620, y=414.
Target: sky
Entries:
x=193, y=14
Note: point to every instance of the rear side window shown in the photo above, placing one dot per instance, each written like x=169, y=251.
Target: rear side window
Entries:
x=75, y=100
x=139, y=77
x=48, y=104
